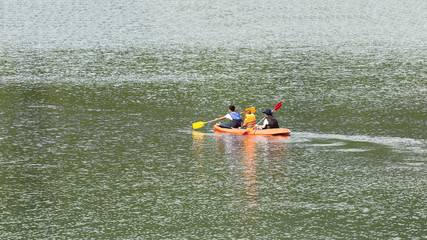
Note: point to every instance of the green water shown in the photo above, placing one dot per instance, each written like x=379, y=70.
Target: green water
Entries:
x=97, y=102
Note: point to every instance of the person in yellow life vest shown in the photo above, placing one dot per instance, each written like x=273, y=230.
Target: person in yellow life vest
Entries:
x=250, y=120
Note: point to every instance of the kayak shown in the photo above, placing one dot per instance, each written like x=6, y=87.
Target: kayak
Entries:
x=271, y=131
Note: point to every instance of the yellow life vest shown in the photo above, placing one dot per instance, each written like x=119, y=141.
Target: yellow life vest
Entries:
x=250, y=121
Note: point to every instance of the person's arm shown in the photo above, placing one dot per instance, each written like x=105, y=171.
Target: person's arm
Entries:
x=221, y=118
x=244, y=123
x=265, y=123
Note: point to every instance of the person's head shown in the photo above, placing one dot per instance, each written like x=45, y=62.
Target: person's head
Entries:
x=231, y=108
x=268, y=112
x=248, y=112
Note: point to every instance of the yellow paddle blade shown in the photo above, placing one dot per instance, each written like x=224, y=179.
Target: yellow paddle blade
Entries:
x=251, y=108
x=198, y=125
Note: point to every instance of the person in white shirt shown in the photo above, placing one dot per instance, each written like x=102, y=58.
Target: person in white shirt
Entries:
x=269, y=121
x=234, y=117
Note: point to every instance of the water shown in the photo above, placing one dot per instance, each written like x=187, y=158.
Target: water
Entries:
x=97, y=102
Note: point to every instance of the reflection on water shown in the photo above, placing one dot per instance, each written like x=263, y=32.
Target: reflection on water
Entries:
x=250, y=172
x=255, y=162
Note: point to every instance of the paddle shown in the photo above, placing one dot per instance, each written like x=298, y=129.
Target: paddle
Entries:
x=279, y=105
x=200, y=124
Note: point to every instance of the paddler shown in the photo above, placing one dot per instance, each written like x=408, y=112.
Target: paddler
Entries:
x=250, y=120
x=234, y=117
x=270, y=121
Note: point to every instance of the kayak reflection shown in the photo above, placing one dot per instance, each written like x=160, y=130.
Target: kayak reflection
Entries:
x=241, y=169
x=256, y=161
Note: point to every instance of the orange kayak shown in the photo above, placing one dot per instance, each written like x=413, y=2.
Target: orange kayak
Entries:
x=272, y=131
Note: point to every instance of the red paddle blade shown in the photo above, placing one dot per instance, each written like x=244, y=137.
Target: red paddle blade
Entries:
x=277, y=106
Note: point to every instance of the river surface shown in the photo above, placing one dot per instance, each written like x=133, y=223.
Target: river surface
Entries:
x=98, y=98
